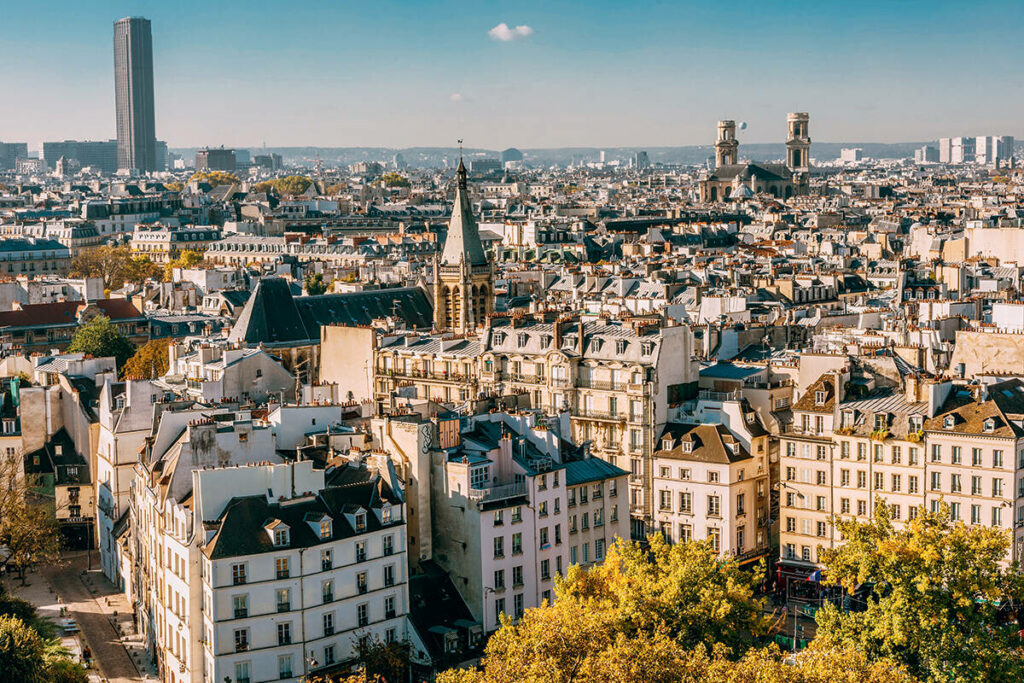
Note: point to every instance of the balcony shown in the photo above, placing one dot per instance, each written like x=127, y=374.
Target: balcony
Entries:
x=708, y=395
x=524, y=378
x=497, y=492
x=439, y=375
x=602, y=385
x=595, y=414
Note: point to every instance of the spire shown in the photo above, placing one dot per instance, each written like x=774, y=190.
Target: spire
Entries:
x=460, y=172
x=462, y=245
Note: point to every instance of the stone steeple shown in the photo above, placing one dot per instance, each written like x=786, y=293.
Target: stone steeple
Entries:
x=463, y=277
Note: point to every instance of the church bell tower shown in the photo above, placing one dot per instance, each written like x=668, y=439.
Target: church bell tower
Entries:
x=463, y=277
x=726, y=146
x=798, y=142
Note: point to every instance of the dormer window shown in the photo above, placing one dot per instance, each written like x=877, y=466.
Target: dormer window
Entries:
x=847, y=419
x=325, y=528
x=119, y=402
x=990, y=424
x=881, y=421
x=916, y=423
x=666, y=443
x=281, y=537
x=499, y=338
x=687, y=446
x=360, y=521
x=620, y=346
x=647, y=348
x=385, y=514
x=949, y=422
x=819, y=398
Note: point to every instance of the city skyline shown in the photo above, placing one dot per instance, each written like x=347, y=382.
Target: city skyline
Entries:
x=510, y=75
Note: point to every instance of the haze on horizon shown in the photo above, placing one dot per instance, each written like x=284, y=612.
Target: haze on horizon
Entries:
x=399, y=73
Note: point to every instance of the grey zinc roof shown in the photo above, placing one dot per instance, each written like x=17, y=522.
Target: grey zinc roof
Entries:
x=592, y=469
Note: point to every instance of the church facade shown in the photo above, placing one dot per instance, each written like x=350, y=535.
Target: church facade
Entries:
x=733, y=181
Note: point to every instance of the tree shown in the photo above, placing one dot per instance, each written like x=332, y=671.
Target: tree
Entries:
x=116, y=265
x=395, y=180
x=174, y=186
x=21, y=651
x=315, y=284
x=938, y=586
x=685, y=590
x=186, y=259
x=214, y=178
x=149, y=362
x=290, y=186
x=386, y=661
x=101, y=339
x=28, y=531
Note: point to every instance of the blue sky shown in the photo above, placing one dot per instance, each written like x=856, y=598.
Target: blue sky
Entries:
x=624, y=73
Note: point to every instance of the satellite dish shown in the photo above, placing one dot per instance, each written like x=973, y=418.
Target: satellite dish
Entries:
x=743, y=125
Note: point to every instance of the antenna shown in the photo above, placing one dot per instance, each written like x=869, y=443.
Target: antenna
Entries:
x=460, y=149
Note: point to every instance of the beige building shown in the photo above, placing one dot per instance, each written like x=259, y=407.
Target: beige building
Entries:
x=708, y=486
x=163, y=244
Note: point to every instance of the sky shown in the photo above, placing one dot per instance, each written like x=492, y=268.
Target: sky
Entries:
x=547, y=73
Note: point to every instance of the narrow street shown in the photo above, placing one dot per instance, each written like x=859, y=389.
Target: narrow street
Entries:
x=93, y=612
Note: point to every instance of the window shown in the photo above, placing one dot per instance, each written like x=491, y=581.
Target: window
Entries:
x=862, y=507
x=976, y=486
x=281, y=567
x=897, y=455
x=913, y=456
x=896, y=482
x=844, y=506
x=327, y=591
x=955, y=458
x=936, y=481
x=954, y=511
x=862, y=479
x=713, y=477
x=954, y=483
x=499, y=579
x=517, y=575
x=326, y=560
x=238, y=574
x=517, y=513
x=821, y=478
x=517, y=601
x=542, y=509
x=361, y=583
x=544, y=537
x=499, y=609
x=975, y=514
x=821, y=529
x=715, y=537
x=665, y=500
x=714, y=506
x=328, y=655
x=936, y=453
x=363, y=614
x=241, y=672
x=284, y=666
x=912, y=484
x=389, y=575
x=571, y=497
x=820, y=502
x=844, y=449
x=862, y=451
x=997, y=516
x=240, y=604
x=819, y=398
x=360, y=551
x=328, y=622
x=790, y=474
x=997, y=488
x=284, y=633
x=360, y=522
x=740, y=504
x=389, y=607
x=879, y=481
x=545, y=569
x=844, y=477
x=997, y=458
x=284, y=599
x=976, y=457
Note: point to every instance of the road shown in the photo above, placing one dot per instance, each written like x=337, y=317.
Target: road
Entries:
x=97, y=632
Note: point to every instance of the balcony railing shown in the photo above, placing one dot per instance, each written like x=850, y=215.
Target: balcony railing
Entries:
x=604, y=385
x=498, y=492
x=708, y=395
x=416, y=373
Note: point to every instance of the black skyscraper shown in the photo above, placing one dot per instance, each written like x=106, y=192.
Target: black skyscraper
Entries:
x=133, y=86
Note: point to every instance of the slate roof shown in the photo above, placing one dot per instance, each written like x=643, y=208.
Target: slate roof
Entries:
x=711, y=444
x=592, y=469
x=463, y=245
x=435, y=607
x=764, y=172
x=272, y=315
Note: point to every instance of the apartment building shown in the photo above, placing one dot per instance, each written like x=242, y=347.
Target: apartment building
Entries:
x=709, y=487
x=914, y=446
x=163, y=244
x=295, y=574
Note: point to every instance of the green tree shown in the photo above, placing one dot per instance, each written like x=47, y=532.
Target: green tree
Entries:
x=28, y=530
x=100, y=338
x=21, y=651
x=149, y=361
x=315, y=284
x=934, y=609
x=214, y=178
x=394, y=180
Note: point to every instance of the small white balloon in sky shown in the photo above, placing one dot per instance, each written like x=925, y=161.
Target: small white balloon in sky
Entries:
x=743, y=125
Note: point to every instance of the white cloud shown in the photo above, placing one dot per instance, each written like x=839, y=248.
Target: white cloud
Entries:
x=505, y=33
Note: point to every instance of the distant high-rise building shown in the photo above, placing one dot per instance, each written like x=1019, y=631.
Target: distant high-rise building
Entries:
x=926, y=155
x=216, y=160
x=10, y=152
x=641, y=161
x=850, y=155
x=270, y=162
x=101, y=155
x=945, y=150
x=161, y=155
x=133, y=89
